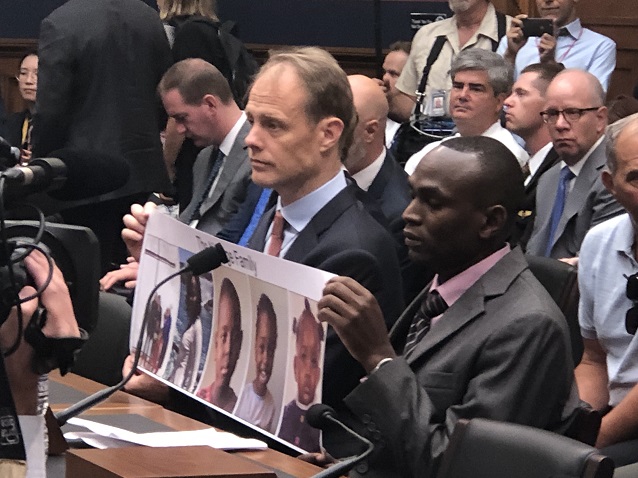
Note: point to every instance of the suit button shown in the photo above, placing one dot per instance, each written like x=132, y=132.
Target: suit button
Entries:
x=366, y=418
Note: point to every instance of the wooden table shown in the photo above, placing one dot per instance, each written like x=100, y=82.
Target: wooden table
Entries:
x=123, y=403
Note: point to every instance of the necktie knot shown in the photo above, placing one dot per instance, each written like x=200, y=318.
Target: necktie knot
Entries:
x=432, y=306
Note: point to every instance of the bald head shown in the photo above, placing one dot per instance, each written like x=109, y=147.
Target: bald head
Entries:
x=580, y=94
x=372, y=109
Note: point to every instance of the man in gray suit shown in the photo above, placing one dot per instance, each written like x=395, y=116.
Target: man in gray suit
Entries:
x=198, y=98
x=484, y=339
x=570, y=197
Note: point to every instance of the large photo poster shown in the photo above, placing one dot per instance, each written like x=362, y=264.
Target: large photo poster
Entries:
x=244, y=338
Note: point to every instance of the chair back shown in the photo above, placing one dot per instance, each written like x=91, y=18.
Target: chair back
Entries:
x=561, y=282
x=482, y=448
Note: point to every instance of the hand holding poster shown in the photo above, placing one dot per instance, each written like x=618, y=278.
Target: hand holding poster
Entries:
x=243, y=339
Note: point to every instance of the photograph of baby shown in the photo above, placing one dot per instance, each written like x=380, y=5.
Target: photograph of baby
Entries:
x=304, y=388
x=193, y=329
x=262, y=396
x=230, y=321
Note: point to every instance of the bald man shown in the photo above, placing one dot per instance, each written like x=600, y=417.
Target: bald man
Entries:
x=570, y=197
x=376, y=171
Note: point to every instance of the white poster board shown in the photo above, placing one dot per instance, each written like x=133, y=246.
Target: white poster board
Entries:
x=214, y=337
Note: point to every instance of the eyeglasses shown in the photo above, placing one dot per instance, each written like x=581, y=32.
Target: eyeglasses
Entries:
x=631, y=318
x=24, y=74
x=570, y=114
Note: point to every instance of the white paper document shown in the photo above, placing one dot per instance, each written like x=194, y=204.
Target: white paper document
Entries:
x=106, y=436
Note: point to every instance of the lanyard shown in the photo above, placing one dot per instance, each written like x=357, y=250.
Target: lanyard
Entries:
x=564, y=55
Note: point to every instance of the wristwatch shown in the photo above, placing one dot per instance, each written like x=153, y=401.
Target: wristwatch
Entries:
x=51, y=353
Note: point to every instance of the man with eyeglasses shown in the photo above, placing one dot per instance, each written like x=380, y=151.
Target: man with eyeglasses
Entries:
x=570, y=197
x=607, y=376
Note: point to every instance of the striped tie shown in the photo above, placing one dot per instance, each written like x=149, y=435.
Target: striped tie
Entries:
x=433, y=306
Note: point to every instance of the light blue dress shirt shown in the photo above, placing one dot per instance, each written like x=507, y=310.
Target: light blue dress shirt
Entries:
x=582, y=48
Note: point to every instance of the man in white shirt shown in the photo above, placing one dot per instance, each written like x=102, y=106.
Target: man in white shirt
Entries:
x=572, y=45
x=481, y=80
x=523, y=117
x=475, y=24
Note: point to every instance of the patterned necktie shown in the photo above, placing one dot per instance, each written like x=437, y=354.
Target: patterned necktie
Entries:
x=526, y=170
x=566, y=175
x=214, y=170
x=433, y=306
x=276, y=235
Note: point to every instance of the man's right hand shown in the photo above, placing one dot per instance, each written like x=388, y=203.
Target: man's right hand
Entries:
x=127, y=273
x=515, y=38
x=135, y=226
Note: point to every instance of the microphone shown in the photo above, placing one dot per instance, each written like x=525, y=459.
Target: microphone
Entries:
x=323, y=416
x=9, y=152
x=204, y=261
x=70, y=174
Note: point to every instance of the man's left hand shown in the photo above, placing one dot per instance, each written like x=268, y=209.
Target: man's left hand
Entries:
x=547, y=48
x=357, y=318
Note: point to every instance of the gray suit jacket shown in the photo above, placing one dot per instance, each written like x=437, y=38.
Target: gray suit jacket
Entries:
x=587, y=204
x=501, y=352
x=230, y=189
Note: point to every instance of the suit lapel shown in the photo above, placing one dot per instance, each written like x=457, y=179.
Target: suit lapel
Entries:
x=469, y=307
x=232, y=163
x=381, y=179
x=550, y=160
x=308, y=239
x=582, y=185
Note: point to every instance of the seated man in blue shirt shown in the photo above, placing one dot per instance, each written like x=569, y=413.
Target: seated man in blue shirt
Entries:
x=572, y=45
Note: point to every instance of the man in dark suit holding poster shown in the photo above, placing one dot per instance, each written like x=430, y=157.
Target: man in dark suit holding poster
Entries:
x=302, y=116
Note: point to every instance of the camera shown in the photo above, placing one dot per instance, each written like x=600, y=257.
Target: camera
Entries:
x=536, y=27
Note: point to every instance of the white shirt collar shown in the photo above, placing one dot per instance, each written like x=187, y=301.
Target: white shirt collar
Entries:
x=536, y=160
x=229, y=139
x=579, y=165
x=365, y=177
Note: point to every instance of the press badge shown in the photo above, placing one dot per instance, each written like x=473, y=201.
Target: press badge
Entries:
x=437, y=104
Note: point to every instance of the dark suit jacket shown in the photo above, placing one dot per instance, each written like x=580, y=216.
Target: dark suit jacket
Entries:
x=100, y=63
x=588, y=203
x=391, y=192
x=527, y=213
x=344, y=239
x=230, y=189
x=501, y=352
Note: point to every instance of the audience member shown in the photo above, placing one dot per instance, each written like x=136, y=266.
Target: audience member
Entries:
x=484, y=339
x=393, y=65
x=19, y=125
x=475, y=24
x=198, y=98
x=481, y=80
x=570, y=197
x=60, y=324
x=376, y=171
x=100, y=63
x=307, y=367
x=607, y=376
x=523, y=117
x=572, y=45
x=228, y=339
x=256, y=404
x=188, y=39
x=302, y=116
